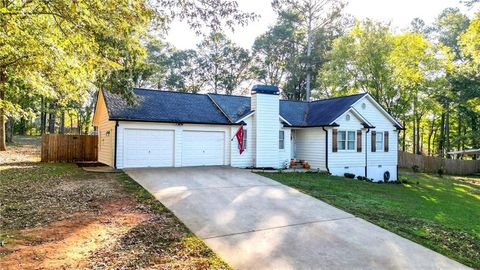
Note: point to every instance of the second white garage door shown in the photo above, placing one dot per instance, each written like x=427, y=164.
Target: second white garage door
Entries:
x=203, y=148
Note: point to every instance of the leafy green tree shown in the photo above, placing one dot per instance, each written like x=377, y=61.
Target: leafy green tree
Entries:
x=97, y=43
x=311, y=16
x=359, y=60
x=225, y=65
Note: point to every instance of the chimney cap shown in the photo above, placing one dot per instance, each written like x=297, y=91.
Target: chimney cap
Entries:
x=265, y=89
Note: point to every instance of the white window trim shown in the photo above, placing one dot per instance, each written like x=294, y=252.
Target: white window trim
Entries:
x=245, y=139
x=381, y=149
x=281, y=149
x=346, y=141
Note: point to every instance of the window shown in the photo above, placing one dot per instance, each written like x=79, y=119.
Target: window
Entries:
x=379, y=141
x=346, y=140
x=351, y=140
x=244, y=139
x=281, y=139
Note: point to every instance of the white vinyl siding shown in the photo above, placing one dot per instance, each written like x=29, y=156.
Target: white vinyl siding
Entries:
x=310, y=146
x=379, y=161
x=266, y=128
x=348, y=158
x=382, y=124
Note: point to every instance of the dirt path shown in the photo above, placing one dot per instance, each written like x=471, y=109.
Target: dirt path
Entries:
x=58, y=216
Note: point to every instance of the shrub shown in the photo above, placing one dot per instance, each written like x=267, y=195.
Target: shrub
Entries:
x=349, y=175
x=362, y=178
x=440, y=172
x=415, y=168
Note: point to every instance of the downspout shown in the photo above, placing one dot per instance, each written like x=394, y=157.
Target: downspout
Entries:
x=366, y=151
x=115, y=147
x=326, y=149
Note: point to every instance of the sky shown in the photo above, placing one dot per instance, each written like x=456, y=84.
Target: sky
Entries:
x=398, y=12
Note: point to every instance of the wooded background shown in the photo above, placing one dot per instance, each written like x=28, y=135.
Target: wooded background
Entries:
x=52, y=62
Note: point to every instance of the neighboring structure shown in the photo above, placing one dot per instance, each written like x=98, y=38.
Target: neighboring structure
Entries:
x=351, y=134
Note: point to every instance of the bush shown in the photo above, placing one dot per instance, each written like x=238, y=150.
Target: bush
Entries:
x=415, y=168
x=349, y=175
x=362, y=178
x=440, y=172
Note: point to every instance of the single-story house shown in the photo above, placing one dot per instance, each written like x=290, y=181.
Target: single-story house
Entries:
x=350, y=134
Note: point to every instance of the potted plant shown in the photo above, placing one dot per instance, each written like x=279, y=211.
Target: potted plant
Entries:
x=306, y=166
x=293, y=163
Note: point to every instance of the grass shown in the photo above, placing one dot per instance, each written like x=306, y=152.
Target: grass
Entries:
x=56, y=215
x=192, y=245
x=441, y=213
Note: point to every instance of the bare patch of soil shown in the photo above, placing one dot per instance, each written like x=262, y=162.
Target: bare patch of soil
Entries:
x=68, y=243
x=58, y=216
x=24, y=149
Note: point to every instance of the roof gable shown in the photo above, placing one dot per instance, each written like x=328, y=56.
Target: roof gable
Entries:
x=326, y=111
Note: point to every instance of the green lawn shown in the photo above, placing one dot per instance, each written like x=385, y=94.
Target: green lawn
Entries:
x=442, y=213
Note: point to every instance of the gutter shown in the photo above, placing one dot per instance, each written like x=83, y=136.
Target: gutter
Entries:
x=326, y=149
x=322, y=126
x=366, y=152
x=174, y=122
x=115, y=147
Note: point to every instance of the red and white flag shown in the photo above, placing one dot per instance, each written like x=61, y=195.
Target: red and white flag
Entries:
x=239, y=136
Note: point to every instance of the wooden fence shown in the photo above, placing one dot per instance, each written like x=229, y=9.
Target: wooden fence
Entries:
x=69, y=148
x=432, y=164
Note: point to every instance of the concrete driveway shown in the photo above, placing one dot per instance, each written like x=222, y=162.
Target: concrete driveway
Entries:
x=256, y=223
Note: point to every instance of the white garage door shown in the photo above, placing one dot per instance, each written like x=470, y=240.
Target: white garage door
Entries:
x=203, y=148
x=148, y=148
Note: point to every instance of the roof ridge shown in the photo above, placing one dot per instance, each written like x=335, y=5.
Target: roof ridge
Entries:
x=229, y=95
x=325, y=99
x=168, y=91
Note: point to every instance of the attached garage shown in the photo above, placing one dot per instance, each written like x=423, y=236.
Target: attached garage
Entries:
x=148, y=148
x=203, y=148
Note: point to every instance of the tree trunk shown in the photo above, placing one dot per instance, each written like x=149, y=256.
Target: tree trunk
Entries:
x=62, y=123
x=441, y=143
x=23, y=127
x=430, y=134
x=404, y=135
x=43, y=116
x=419, y=138
x=414, y=132
x=447, y=131
x=9, y=131
x=309, y=53
x=459, y=132
x=51, y=119
x=3, y=79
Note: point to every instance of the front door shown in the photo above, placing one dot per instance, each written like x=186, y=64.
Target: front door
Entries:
x=292, y=145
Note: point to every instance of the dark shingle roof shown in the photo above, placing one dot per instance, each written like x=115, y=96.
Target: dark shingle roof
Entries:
x=325, y=111
x=235, y=107
x=294, y=112
x=177, y=107
x=163, y=106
